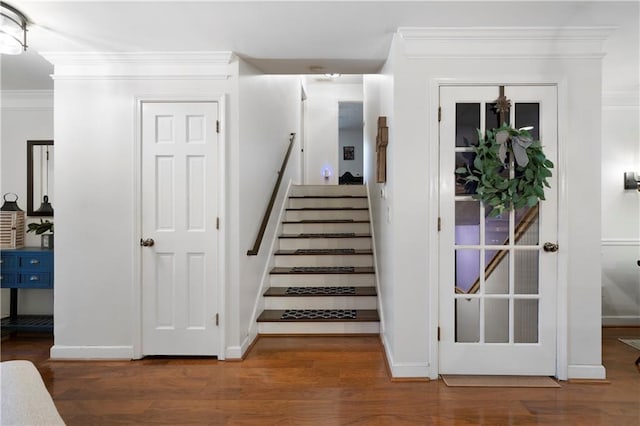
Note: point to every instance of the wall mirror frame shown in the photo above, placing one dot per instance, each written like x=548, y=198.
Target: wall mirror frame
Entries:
x=39, y=177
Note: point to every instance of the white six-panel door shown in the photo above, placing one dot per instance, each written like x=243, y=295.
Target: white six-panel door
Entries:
x=179, y=187
x=497, y=286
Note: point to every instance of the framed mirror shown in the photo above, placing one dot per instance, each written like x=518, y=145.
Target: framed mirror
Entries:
x=40, y=163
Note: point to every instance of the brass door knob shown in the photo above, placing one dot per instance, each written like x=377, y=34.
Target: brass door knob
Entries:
x=550, y=247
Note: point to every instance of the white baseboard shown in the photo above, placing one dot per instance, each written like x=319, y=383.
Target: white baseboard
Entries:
x=596, y=372
x=413, y=370
x=621, y=320
x=91, y=352
x=233, y=353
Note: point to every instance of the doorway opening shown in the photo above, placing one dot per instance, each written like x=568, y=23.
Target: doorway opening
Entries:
x=350, y=143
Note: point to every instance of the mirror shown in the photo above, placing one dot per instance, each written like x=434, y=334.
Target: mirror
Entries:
x=40, y=178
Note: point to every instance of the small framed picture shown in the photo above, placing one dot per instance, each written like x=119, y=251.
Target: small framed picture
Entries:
x=348, y=153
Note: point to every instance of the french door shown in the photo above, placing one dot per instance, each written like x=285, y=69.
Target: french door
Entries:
x=179, y=236
x=497, y=287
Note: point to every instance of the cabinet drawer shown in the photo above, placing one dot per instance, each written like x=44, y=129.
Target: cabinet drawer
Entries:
x=7, y=262
x=34, y=280
x=35, y=262
x=8, y=279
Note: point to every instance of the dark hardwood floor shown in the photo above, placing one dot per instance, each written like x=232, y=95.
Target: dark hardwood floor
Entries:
x=317, y=381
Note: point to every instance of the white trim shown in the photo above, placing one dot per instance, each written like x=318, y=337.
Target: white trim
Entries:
x=140, y=65
x=505, y=42
x=621, y=320
x=620, y=242
x=26, y=100
x=621, y=99
x=405, y=369
x=375, y=260
x=595, y=372
x=562, y=295
x=61, y=352
x=433, y=188
x=235, y=352
x=189, y=77
x=220, y=99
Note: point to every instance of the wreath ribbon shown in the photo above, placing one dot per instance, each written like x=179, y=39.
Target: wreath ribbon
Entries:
x=519, y=145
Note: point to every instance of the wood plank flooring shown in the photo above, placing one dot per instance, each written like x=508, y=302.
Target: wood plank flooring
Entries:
x=317, y=381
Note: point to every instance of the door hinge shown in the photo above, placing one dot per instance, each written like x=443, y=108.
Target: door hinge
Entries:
x=439, y=114
x=217, y=126
x=217, y=319
x=439, y=224
x=217, y=223
x=438, y=333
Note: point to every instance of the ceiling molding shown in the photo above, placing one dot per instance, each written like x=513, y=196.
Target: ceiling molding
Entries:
x=141, y=64
x=505, y=42
x=26, y=99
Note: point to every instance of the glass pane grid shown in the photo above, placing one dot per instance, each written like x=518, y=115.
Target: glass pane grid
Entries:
x=510, y=314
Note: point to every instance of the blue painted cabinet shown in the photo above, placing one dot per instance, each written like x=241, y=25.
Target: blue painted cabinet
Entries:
x=26, y=268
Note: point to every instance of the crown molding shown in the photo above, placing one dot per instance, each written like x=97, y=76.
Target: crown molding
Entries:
x=505, y=42
x=26, y=99
x=141, y=64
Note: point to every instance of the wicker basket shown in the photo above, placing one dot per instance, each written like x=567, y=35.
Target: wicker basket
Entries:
x=12, y=229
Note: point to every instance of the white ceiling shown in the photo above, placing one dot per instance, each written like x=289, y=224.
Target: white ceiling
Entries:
x=295, y=37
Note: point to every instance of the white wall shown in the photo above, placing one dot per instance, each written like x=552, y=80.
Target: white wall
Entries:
x=269, y=111
x=97, y=296
x=620, y=209
x=379, y=101
x=419, y=63
x=321, y=128
x=25, y=115
x=97, y=311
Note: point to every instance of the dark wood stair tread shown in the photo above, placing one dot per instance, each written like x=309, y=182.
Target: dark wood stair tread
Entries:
x=320, y=291
x=325, y=209
x=302, y=197
x=319, y=315
x=322, y=270
x=326, y=235
x=324, y=221
x=323, y=252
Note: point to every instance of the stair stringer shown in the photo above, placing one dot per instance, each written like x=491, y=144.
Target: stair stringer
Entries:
x=375, y=261
x=258, y=305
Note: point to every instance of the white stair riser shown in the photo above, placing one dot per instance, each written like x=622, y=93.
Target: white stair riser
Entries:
x=299, y=203
x=324, y=260
x=326, y=214
x=355, y=327
x=324, y=243
x=321, y=302
x=318, y=190
x=319, y=228
x=319, y=280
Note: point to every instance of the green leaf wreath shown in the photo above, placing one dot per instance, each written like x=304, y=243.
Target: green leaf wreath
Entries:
x=489, y=172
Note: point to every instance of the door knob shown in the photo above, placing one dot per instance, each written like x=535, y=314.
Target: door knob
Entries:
x=550, y=247
x=147, y=243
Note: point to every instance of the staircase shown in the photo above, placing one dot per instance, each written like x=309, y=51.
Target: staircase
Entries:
x=323, y=281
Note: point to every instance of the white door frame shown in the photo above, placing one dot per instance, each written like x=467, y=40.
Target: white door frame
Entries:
x=137, y=214
x=434, y=85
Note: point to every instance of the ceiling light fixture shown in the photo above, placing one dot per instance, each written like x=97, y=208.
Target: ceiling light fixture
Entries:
x=13, y=30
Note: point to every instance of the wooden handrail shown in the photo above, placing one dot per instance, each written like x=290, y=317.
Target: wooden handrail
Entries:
x=265, y=219
x=524, y=225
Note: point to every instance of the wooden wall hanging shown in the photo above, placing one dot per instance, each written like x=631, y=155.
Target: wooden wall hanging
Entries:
x=382, y=140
